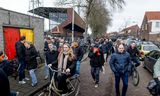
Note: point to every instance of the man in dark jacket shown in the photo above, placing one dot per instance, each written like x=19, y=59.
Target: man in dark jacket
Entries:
x=96, y=62
x=52, y=57
x=120, y=64
x=20, y=51
x=134, y=53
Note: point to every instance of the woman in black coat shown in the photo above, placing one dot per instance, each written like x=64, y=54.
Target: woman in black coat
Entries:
x=31, y=61
x=66, y=64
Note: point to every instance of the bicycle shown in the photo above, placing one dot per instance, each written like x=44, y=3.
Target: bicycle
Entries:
x=52, y=90
x=135, y=75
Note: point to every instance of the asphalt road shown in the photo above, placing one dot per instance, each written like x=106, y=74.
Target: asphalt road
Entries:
x=106, y=87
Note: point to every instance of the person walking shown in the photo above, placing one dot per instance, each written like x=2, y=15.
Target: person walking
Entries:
x=20, y=51
x=46, y=48
x=79, y=55
x=120, y=64
x=52, y=57
x=31, y=61
x=96, y=63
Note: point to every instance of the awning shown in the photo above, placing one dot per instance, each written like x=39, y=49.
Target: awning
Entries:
x=44, y=11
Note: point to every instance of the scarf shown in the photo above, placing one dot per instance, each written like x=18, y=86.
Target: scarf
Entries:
x=62, y=62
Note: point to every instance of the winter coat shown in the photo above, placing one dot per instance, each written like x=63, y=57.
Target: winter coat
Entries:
x=52, y=58
x=4, y=84
x=157, y=69
x=71, y=64
x=120, y=62
x=20, y=50
x=96, y=60
x=7, y=67
x=78, y=53
x=106, y=47
x=30, y=58
x=133, y=52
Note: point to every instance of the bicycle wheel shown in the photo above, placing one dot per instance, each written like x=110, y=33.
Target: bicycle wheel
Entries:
x=135, y=77
x=77, y=87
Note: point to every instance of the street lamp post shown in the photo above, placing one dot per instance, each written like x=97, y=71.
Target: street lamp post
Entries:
x=73, y=21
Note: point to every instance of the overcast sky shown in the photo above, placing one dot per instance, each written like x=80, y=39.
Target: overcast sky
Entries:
x=132, y=13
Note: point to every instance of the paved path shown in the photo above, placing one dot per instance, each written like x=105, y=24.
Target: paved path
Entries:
x=106, y=87
x=27, y=89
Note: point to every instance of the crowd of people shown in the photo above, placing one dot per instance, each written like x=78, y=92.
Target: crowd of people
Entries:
x=65, y=57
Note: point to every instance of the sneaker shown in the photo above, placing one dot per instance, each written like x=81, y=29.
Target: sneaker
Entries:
x=96, y=85
x=26, y=79
x=17, y=93
x=33, y=85
x=46, y=77
x=65, y=94
x=22, y=82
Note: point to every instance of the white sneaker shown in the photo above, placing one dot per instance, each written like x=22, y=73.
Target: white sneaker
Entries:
x=22, y=82
x=27, y=79
x=96, y=85
x=64, y=94
x=46, y=77
x=17, y=93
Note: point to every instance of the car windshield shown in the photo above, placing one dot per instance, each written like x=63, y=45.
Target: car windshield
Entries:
x=150, y=48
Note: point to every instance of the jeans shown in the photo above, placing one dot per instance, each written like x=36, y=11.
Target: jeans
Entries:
x=105, y=56
x=46, y=70
x=21, y=70
x=33, y=76
x=13, y=93
x=95, y=71
x=124, y=77
x=78, y=64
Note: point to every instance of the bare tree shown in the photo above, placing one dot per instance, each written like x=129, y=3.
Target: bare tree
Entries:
x=97, y=14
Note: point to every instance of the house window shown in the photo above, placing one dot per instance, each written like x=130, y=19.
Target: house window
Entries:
x=157, y=24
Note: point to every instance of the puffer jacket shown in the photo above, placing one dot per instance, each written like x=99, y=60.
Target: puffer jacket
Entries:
x=120, y=62
x=157, y=69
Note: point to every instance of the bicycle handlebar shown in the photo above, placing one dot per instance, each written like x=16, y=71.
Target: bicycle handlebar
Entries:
x=57, y=71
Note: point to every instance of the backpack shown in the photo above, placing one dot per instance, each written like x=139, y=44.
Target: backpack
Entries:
x=154, y=87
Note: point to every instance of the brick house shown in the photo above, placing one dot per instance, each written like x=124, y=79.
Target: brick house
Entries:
x=131, y=31
x=150, y=28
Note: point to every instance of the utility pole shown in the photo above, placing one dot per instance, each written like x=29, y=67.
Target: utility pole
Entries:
x=34, y=4
x=73, y=20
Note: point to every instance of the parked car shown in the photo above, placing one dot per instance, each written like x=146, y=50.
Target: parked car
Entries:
x=146, y=48
x=150, y=59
